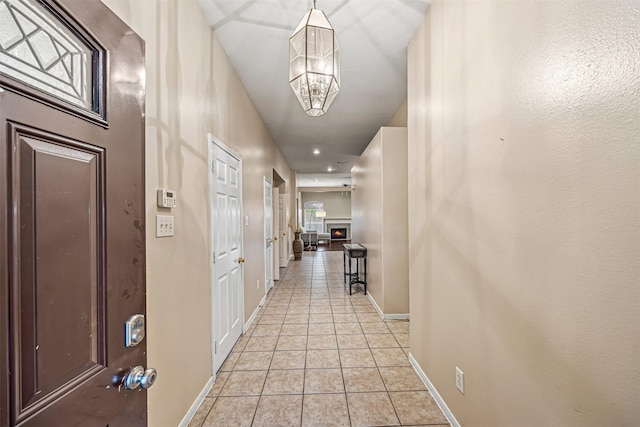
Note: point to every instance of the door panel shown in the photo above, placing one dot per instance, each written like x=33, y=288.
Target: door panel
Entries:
x=72, y=241
x=226, y=228
x=55, y=186
x=275, y=232
x=223, y=324
x=222, y=234
x=268, y=235
x=283, y=221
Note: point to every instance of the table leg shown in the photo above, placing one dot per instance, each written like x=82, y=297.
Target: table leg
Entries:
x=344, y=266
x=350, y=276
x=365, y=275
x=357, y=270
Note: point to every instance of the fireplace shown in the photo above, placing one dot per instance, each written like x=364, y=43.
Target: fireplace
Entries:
x=338, y=229
x=338, y=234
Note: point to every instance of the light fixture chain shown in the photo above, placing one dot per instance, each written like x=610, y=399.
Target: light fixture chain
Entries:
x=314, y=4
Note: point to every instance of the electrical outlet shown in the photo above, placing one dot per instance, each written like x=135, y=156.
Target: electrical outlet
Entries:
x=258, y=284
x=164, y=225
x=460, y=380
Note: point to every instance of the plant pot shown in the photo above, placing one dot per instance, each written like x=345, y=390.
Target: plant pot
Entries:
x=298, y=246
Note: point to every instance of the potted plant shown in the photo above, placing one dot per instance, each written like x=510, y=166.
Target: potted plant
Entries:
x=298, y=246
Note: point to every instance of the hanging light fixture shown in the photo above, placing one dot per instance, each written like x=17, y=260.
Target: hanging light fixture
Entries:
x=314, y=63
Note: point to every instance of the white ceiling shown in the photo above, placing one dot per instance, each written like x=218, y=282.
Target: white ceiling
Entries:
x=373, y=35
x=337, y=179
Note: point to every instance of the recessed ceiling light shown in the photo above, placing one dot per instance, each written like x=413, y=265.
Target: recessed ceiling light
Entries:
x=329, y=169
x=317, y=180
x=316, y=151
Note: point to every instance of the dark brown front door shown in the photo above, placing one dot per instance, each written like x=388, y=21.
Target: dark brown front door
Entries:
x=72, y=241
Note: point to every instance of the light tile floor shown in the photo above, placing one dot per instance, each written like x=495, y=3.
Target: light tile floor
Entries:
x=315, y=356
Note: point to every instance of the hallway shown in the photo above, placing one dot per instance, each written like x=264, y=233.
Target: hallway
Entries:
x=316, y=357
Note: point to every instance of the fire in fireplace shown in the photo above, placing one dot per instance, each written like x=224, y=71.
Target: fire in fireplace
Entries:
x=338, y=234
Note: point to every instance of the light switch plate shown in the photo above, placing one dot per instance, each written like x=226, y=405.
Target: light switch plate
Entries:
x=460, y=380
x=164, y=226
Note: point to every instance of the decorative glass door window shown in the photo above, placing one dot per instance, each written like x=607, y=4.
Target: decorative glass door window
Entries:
x=37, y=49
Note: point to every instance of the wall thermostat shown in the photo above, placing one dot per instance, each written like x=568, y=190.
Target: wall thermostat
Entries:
x=166, y=198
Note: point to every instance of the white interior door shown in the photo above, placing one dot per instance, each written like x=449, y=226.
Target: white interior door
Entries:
x=227, y=289
x=283, y=220
x=275, y=228
x=268, y=234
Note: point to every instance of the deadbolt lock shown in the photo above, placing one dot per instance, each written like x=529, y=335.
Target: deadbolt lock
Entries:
x=134, y=330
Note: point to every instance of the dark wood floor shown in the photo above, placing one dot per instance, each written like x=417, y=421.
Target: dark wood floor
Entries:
x=335, y=245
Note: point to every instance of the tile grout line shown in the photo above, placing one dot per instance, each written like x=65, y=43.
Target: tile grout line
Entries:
x=308, y=285
x=344, y=385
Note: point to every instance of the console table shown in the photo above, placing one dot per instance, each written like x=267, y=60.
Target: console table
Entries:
x=357, y=252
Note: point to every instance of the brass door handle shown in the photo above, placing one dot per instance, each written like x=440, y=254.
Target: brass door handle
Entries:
x=284, y=234
x=273, y=240
x=240, y=260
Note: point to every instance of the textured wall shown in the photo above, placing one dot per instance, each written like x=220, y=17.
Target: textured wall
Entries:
x=337, y=204
x=366, y=213
x=379, y=217
x=395, y=219
x=399, y=119
x=524, y=175
x=192, y=89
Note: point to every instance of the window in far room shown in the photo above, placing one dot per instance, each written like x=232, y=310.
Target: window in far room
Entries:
x=314, y=214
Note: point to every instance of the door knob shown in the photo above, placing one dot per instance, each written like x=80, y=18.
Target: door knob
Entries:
x=275, y=239
x=138, y=377
x=284, y=234
x=149, y=378
x=240, y=260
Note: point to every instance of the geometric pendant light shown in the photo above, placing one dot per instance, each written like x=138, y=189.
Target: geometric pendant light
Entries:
x=314, y=63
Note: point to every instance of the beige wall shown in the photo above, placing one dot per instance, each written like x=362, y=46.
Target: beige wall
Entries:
x=395, y=217
x=192, y=89
x=524, y=173
x=399, y=119
x=337, y=204
x=379, y=217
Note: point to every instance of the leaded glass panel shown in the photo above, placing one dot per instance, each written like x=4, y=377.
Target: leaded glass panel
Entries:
x=39, y=50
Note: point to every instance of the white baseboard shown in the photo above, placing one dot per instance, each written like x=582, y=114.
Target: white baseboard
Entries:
x=194, y=408
x=396, y=316
x=375, y=304
x=436, y=396
x=253, y=316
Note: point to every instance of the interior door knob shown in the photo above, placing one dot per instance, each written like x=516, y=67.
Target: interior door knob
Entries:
x=240, y=260
x=138, y=377
x=149, y=378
